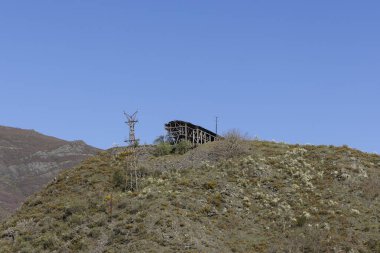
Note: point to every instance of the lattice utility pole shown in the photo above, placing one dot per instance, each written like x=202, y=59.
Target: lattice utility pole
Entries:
x=131, y=121
x=131, y=170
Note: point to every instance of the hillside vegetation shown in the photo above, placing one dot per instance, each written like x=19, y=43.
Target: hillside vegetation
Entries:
x=266, y=197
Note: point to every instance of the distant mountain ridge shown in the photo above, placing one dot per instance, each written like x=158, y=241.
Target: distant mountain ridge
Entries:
x=29, y=160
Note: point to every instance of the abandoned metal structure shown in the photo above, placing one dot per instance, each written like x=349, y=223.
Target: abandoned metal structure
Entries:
x=181, y=130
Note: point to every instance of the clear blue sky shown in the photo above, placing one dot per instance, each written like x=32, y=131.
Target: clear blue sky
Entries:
x=293, y=71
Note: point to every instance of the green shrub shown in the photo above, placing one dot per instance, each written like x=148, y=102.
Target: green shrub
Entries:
x=162, y=149
x=182, y=147
x=118, y=179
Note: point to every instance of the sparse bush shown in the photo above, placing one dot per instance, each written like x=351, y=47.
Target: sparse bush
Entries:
x=371, y=187
x=232, y=145
x=95, y=233
x=76, y=219
x=122, y=204
x=182, y=147
x=308, y=240
x=206, y=209
x=47, y=242
x=373, y=245
x=34, y=202
x=76, y=206
x=78, y=245
x=301, y=220
x=210, y=185
x=216, y=199
x=184, y=182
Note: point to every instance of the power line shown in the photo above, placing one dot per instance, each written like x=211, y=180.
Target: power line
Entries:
x=216, y=124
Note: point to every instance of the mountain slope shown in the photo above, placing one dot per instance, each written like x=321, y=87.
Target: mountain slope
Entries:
x=29, y=160
x=269, y=197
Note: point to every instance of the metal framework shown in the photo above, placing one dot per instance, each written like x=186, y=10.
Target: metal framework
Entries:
x=181, y=130
x=131, y=121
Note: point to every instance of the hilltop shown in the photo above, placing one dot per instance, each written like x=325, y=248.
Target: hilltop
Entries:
x=29, y=160
x=246, y=196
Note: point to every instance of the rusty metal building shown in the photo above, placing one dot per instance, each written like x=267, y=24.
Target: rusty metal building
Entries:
x=181, y=130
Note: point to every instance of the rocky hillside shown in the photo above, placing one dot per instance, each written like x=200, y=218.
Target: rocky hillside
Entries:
x=29, y=160
x=266, y=197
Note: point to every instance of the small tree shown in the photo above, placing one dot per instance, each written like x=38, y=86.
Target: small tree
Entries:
x=161, y=139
